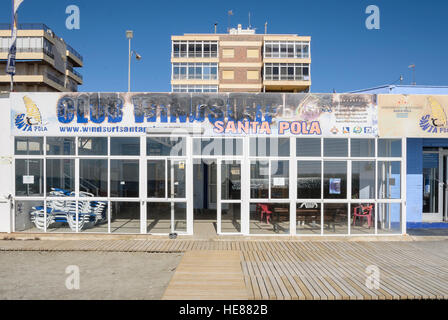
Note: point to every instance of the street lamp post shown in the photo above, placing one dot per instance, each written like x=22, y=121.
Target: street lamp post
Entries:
x=129, y=36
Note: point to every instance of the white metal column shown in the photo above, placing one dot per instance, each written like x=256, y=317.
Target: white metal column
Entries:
x=245, y=188
x=143, y=185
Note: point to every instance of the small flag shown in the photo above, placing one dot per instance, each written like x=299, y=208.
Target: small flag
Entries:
x=411, y=66
x=230, y=12
x=11, y=64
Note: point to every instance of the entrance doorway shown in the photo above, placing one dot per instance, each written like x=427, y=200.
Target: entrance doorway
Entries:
x=205, y=197
x=217, y=197
x=435, y=186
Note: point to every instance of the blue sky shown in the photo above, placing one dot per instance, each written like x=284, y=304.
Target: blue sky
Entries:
x=345, y=54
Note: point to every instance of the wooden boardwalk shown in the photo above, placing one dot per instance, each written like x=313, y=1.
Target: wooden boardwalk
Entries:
x=207, y=275
x=288, y=269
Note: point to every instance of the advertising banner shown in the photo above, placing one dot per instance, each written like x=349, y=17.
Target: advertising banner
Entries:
x=207, y=114
x=413, y=116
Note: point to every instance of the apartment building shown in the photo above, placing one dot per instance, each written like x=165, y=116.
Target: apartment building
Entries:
x=45, y=62
x=241, y=61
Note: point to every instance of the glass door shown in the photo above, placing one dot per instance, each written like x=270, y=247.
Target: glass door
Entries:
x=167, y=205
x=444, y=186
x=229, y=196
x=431, y=185
x=166, y=189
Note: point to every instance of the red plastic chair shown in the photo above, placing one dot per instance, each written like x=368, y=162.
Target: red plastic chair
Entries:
x=264, y=210
x=363, y=212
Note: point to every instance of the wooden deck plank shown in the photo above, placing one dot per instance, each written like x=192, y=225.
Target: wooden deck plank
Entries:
x=219, y=276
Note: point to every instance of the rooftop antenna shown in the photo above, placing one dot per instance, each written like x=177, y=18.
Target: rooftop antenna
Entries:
x=266, y=27
x=216, y=26
x=250, y=27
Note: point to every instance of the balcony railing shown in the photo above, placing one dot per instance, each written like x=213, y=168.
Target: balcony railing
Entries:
x=277, y=77
x=26, y=26
x=33, y=50
x=76, y=73
x=74, y=52
x=52, y=77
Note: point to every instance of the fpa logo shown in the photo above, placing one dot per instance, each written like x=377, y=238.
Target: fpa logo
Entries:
x=436, y=120
x=31, y=120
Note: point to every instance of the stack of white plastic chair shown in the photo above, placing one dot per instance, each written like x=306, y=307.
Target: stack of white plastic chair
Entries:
x=84, y=212
x=38, y=217
x=38, y=214
x=58, y=206
x=98, y=210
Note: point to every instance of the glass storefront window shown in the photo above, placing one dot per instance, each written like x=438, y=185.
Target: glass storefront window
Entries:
x=269, y=218
x=60, y=146
x=230, y=217
x=29, y=146
x=92, y=216
x=231, y=180
x=362, y=218
x=308, y=218
x=177, y=183
x=259, y=179
x=125, y=217
x=430, y=182
x=124, y=146
x=335, y=218
x=309, y=179
x=308, y=147
x=389, y=148
x=335, y=179
x=280, y=179
x=363, y=180
x=389, y=218
x=335, y=147
x=158, y=215
x=92, y=146
x=29, y=177
x=93, y=177
x=156, y=178
x=362, y=147
x=324, y=200
x=166, y=146
x=269, y=147
x=29, y=216
x=180, y=217
x=61, y=216
x=60, y=177
x=389, y=179
x=124, y=178
x=217, y=147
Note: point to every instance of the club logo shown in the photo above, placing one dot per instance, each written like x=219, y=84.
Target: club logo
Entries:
x=31, y=120
x=436, y=120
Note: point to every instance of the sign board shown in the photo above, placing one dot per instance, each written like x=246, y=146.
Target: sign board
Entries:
x=28, y=179
x=413, y=116
x=214, y=114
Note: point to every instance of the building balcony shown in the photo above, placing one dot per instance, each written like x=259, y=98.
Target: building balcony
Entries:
x=45, y=78
x=28, y=54
x=74, y=56
x=74, y=75
x=287, y=60
x=26, y=26
x=194, y=81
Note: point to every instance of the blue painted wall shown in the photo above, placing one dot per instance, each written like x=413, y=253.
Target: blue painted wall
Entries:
x=414, y=178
